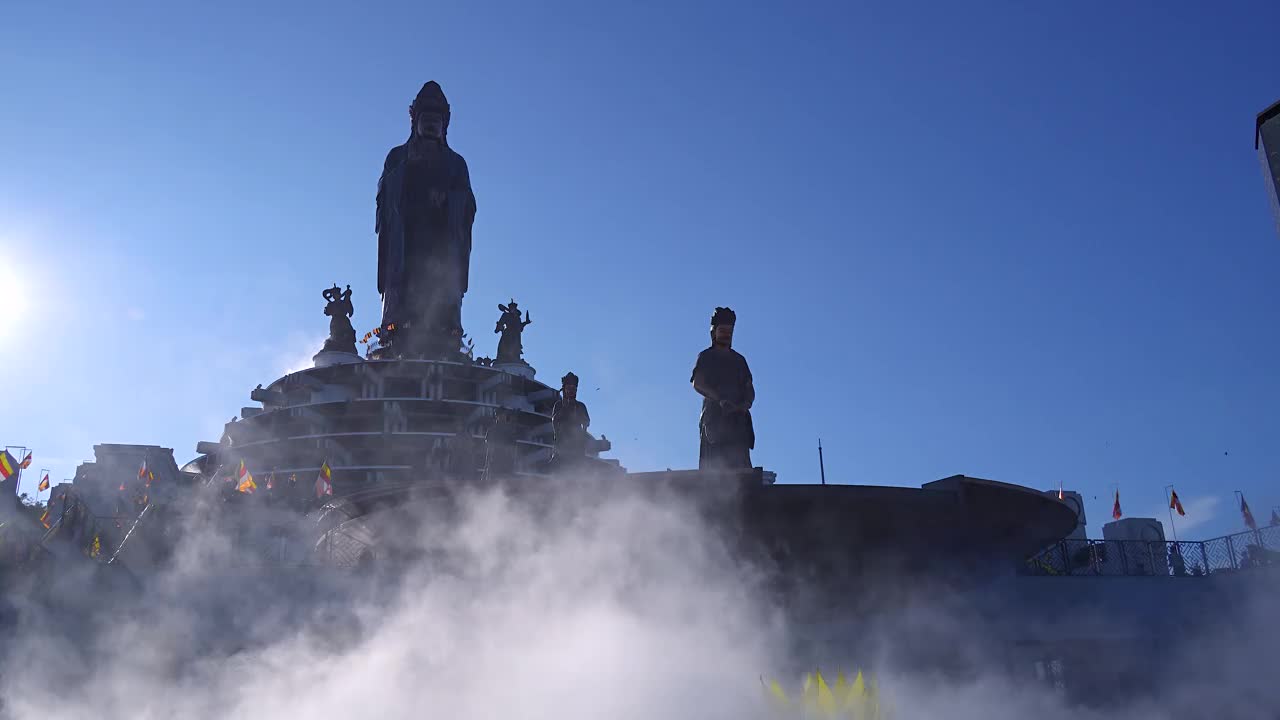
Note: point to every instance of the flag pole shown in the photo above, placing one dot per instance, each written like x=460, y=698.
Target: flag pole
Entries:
x=1257, y=534
x=17, y=480
x=1168, y=500
x=822, y=468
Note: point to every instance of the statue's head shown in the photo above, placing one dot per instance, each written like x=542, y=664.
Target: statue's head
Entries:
x=569, y=387
x=430, y=113
x=722, y=323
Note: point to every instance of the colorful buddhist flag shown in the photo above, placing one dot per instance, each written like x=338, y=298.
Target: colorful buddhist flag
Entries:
x=1175, y=503
x=1060, y=496
x=1246, y=514
x=96, y=547
x=244, y=480
x=142, y=470
x=8, y=466
x=44, y=483
x=1115, y=509
x=324, y=481
x=44, y=517
x=271, y=480
x=26, y=461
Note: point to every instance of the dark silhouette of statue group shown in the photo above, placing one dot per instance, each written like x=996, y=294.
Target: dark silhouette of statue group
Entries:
x=425, y=211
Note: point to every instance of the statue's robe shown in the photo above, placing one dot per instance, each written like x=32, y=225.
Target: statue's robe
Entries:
x=424, y=252
x=726, y=438
x=570, y=420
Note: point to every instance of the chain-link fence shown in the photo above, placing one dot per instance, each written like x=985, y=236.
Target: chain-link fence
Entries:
x=1248, y=549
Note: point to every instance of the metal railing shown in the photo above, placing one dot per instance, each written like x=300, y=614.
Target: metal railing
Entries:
x=1230, y=553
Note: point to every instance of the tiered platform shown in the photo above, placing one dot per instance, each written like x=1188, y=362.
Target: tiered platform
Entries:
x=389, y=421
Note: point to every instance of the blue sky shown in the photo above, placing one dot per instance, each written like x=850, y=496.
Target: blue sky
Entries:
x=1027, y=242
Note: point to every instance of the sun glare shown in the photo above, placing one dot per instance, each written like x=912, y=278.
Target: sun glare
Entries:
x=15, y=291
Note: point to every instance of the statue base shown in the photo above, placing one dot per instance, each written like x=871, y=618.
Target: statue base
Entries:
x=326, y=358
x=524, y=370
x=402, y=345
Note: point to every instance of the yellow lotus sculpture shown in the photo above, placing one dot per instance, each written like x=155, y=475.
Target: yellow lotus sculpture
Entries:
x=857, y=700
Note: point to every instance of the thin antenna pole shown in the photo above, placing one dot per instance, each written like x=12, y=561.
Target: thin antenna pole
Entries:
x=1168, y=500
x=822, y=468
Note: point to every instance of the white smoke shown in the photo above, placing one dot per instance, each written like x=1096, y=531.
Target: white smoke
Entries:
x=586, y=605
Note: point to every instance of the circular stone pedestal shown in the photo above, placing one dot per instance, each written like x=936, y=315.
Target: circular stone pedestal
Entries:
x=524, y=370
x=327, y=358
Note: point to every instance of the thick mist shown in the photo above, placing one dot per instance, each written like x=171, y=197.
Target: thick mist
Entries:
x=578, y=606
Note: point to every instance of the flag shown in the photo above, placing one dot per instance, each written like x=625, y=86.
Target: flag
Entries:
x=142, y=470
x=1115, y=509
x=44, y=483
x=1175, y=503
x=1060, y=497
x=8, y=465
x=1248, y=516
x=44, y=517
x=271, y=480
x=96, y=547
x=324, y=481
x=245, y=480
x=1275, y=518
x=150, y=476
x=121, y=488
x=26, y=461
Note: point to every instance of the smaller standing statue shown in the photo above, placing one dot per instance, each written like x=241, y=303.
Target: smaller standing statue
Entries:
x=510, y=347
x=569, y=419
x=342, y=336
x=722, y=378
